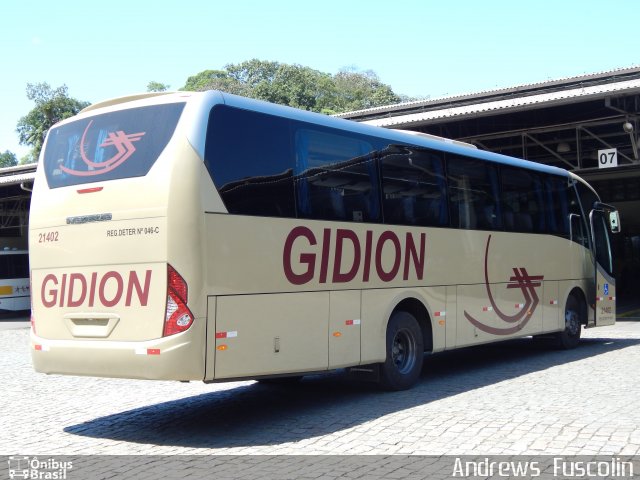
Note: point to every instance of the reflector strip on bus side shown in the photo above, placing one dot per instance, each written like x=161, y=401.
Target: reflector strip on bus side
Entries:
x=41, y=348
x=352, y=322
x=601, y=299
x=232, y=334
x=439, y=314
x=487, y=309
x=553, y=302
x=519, y=305
x=147, y=351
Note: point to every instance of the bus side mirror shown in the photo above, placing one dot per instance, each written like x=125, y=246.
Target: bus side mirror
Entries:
x=614, y=216
x=614, y=221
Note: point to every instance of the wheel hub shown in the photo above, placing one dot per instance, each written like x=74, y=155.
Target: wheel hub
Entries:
x=572, y=322
x=402, y=351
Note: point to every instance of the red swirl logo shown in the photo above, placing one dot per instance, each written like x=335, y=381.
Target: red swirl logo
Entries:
x=123, y=144
x=520, y=279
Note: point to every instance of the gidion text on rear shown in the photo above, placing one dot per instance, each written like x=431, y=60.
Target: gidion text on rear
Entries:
x=205, y=236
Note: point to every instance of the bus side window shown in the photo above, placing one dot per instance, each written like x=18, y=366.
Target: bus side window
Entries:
x=474, y=201
x=413, y=186
x=522, y=200
x=248, y=155
x=335, y=176
x=556, y=205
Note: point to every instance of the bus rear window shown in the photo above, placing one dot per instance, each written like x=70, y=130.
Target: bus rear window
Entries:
x=111, y=146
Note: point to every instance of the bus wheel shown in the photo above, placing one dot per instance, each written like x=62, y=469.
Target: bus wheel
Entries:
x=570, y=336
x=405, y=350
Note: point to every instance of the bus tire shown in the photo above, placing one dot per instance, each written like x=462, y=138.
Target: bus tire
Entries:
x=570, y=336
x=405, y=349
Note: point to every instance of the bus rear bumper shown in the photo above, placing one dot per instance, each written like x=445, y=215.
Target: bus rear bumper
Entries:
x=178, y=357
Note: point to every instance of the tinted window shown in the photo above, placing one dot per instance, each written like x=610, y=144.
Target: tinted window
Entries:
x=473, y=194
x=413, y=187
x=602, y=241
x=273, y=166
x=522, y=201
x=578, y=222
x=335, y=176
x=111, y=146
x=14, y=266
x=557, y=205
x=587, y=201
x=248, y=155
x=587, y=198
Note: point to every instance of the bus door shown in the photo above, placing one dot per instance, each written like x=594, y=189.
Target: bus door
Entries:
x=604, y=220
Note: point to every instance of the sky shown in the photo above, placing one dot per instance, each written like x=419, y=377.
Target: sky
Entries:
x=101, y=50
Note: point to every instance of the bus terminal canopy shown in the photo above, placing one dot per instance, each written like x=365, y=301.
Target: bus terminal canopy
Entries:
x=20, y=175
x=562, y=122
x=16, y=184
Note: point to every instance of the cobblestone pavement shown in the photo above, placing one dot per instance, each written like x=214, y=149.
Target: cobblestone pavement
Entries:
x=513, y=398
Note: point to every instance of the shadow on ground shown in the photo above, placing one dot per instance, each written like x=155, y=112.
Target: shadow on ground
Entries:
x=260, y=414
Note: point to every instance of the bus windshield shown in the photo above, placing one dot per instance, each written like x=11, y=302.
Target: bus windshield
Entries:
x=14, y=265
x=111, y=146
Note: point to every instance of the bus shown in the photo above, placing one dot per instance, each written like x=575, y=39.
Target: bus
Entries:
x=15, y=290
x=206, y=236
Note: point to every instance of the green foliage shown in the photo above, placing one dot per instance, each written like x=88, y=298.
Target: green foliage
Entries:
x=28, y=159
x=157, y=87
x=360, y=90
x=51, y=107
x=297, y=86
x=215, y=80
x=8, y=159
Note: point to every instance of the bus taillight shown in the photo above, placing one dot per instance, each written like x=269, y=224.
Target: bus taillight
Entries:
x=178, y=317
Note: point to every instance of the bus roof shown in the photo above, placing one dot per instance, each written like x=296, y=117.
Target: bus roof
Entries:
x=206, y=100
x=393, y=135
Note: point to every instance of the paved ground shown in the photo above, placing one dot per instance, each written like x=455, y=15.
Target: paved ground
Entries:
x=513, y=398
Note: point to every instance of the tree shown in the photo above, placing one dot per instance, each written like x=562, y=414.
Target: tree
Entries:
x=157, y=87
x=8, y=159
x=360, y=90
x=215, y=80
x=51, y=107
x=28, y=159
x=297, y=86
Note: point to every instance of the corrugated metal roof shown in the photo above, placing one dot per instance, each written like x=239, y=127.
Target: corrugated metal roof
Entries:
x=18, y=174
x=604, y=76
x=17, y=178
x=556, y=97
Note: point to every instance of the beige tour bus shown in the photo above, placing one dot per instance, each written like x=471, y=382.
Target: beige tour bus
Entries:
x=205, y=236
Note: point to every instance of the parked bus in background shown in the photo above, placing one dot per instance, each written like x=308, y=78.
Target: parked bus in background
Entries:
x=14, y=280
x=205, y=236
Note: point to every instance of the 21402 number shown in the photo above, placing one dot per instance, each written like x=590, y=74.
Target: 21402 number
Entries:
x=48, y=237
